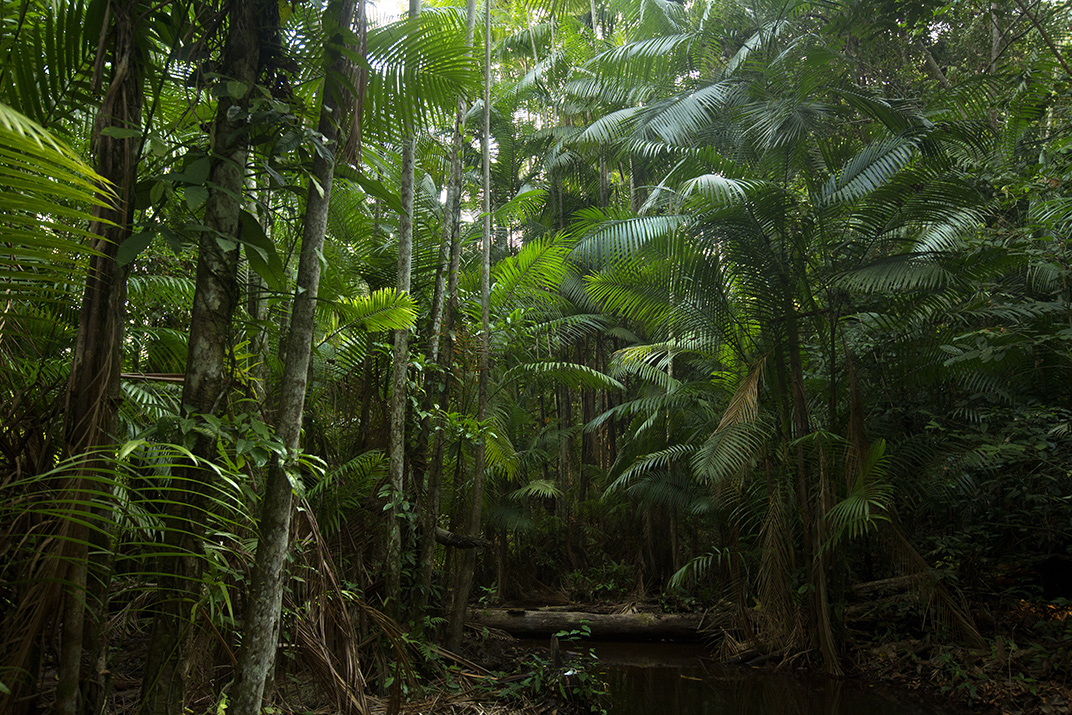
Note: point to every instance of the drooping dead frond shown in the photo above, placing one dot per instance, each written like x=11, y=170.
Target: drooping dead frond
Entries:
x=778, y=618
x=325, y=632
x=744, y=407
x=941, y=604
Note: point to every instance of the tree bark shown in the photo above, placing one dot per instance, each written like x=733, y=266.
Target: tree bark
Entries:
x=169, y=662
x=933, y=66
x=399, y=370
x=261, y=627
x=92, y=400
x=440, y=325
x=468, y=562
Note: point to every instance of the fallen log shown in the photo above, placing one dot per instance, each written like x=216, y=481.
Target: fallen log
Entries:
x=897, y=583
x=460, y=541
x=603, y=626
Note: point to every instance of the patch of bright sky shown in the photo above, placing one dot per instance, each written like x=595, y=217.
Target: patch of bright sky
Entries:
x=384, y=11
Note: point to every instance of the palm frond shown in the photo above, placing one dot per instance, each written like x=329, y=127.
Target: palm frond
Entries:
x=531, y=274
x=563, y=373
x=541, y=488
x=744, y=405
x=729, y=450
x=606, y=237
x=645, y=464
x=59, y=37
x=699, y=567
x=871, y=168
x=384, y=309
x=867, y=502
x=679, y=120
x=46, y=199
x=419, y=66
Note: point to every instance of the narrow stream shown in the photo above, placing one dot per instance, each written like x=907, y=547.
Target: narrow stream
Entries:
x=654, y=678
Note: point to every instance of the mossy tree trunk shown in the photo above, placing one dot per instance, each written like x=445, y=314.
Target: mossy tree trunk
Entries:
x=169, y=663
x=261, y=626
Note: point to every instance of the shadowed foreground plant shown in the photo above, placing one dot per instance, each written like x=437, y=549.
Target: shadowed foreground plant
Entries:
x=123, y=492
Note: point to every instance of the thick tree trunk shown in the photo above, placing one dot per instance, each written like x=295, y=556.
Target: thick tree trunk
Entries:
x=261, y=627
x=92, y=400
x=170, y=660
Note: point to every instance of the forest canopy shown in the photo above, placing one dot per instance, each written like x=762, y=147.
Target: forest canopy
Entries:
x=319, y=327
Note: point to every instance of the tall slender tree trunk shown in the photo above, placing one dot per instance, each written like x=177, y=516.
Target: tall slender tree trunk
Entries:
x=433, y=495
x=468, y=566
x=439, y=343
x=169, y=663
x=261, y=627
x=92, y=400
x=597, y=27
x=399, y=371
x=812, y=509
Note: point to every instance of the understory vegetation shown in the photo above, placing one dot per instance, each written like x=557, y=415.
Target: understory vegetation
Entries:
x=319, y=326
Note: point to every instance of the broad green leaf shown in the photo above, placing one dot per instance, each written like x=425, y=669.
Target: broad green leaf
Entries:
x=133, y=246
x=196, y=196
x=261, y=253
x=120, y=132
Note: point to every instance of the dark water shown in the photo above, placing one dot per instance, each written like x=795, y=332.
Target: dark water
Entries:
x=656, y=678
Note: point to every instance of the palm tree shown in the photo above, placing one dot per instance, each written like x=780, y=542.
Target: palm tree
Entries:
x=468, y=566
x=767, y=201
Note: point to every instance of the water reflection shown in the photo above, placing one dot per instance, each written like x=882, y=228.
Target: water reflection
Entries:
x=660, y=678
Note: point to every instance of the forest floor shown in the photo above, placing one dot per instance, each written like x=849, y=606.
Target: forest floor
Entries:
x=502, y=678
x=1024, y=668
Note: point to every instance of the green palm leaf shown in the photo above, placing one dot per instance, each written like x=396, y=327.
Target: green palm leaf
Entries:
x=562, y=373
x=419, y=66
x=384, y=309
x=46, y=202
x=48, y=61
x=527, y=278
x=867, y=502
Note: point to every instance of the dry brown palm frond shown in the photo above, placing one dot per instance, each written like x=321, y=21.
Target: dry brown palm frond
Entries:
x=944, y=607
x=778, y=620
x=45, y=525
x=744, y=406
x=324, y=630
x=35, y=613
